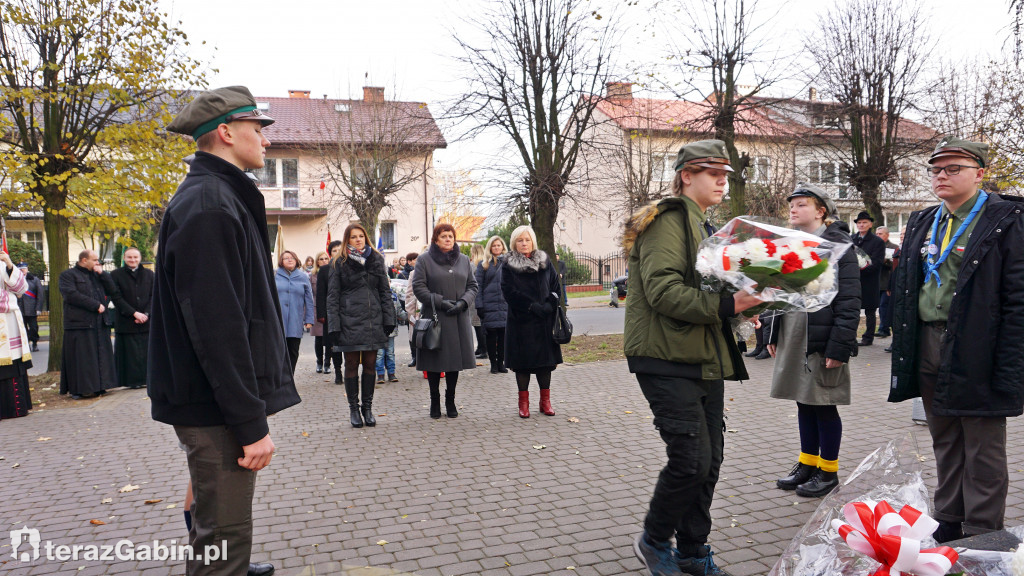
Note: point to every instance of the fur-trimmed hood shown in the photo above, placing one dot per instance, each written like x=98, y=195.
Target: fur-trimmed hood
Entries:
x=645, y=216
x=519, y=263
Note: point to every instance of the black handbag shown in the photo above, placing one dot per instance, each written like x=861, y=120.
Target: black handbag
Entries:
x=561, y=332
x=426, y=332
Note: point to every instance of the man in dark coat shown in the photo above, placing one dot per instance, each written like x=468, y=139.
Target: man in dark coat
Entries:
x=31, y=304
x=958, y=334
x=218, y=362
x=870, y=275
x=132, y=299
x=87, y=360
x=884, y=308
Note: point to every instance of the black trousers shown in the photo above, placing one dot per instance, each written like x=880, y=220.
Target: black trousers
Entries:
x=222, y=508
x=293, y=350
x=869, y=324
x=32, y=326
x=689, y=414
x=884, y=313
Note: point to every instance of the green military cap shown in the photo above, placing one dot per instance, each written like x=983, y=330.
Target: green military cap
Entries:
x=806, y=190
x=704, y=153
x=215, y=107
x=953, y=146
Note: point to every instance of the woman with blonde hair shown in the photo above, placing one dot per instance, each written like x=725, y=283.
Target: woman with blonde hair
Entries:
x=490, y=304
x=317, y=331
x=360, y=315
x=531, y=289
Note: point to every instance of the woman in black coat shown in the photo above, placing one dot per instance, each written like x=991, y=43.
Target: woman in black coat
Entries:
x=323, y=283
x=443, y=282
x=360, y=315
x=530, y=286
x=490, y=304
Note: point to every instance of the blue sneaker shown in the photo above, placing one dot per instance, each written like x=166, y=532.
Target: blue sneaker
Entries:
x=659, y=559
x=701, y=565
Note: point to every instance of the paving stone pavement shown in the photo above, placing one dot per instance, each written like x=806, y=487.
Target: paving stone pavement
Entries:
x=486, y=493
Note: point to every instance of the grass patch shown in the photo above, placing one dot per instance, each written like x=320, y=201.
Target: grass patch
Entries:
x=593, y=349
x=589, y=294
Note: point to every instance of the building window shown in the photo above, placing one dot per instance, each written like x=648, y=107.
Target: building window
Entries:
x=266, y=177
x=668, y=171
x=387, y=237
x=759, y=169
x=290, y=198
x=822, y=172
x=35, y=240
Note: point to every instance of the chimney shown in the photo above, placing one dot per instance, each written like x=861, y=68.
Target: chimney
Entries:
x=373, y=94
x=298, y=93
x=812, y=94
x=619, y=90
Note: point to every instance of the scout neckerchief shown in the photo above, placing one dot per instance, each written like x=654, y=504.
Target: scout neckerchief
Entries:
x=931, y=263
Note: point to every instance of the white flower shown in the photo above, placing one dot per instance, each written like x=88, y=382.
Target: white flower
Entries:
x=755, y=250
x=1017, y=564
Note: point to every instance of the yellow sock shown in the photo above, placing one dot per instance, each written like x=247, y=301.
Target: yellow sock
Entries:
x=828, y=465
x=809, y=459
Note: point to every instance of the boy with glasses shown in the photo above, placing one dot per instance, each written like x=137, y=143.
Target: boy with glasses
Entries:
x=958, y=334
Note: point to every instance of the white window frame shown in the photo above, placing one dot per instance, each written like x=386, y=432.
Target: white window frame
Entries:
x=394, y=236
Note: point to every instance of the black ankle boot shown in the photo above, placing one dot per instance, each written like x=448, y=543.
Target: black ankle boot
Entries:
x=759, y=347
x=435, y=401
x=948, y=531
x=820, y=484
x=494, y=367
x=798, y=475
x=449, y=401
x=367, y=407
x=352, y=391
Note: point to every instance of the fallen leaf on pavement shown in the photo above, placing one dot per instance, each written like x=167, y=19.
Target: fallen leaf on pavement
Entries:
x=573, y=419
x=128, y=488
x=169, y=506
x=43, y=439
x=381, y=542
x=629, y=411
x=106, y=501
x=539, y=446
x=154, y=501
x=16, y=465
x=97, y=522
x=305, y=434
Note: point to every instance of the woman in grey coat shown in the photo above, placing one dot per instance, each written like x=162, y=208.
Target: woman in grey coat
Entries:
x=443, y=282
x=360, y=315
x=811, y=352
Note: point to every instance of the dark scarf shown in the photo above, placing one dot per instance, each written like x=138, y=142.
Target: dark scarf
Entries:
x=444, y=258
x=359, y=256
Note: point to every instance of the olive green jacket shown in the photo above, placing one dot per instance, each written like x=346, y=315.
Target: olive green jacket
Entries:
x=672, y=326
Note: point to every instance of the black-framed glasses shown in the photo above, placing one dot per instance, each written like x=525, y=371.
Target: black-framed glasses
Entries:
x=951, y=170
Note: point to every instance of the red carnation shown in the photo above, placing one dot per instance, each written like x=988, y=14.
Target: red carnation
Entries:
x=791, y=263
x=815, y=257
x=770, y=246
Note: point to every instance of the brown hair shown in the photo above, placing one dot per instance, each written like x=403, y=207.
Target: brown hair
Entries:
x=677, y=181
x=343, y=253
x=280, y=259
x=819, y=203
x=411, y=256
x=206, y=141
x=442, y=227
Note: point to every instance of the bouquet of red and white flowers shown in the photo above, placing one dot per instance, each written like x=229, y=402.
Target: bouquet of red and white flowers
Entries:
x=790, y=269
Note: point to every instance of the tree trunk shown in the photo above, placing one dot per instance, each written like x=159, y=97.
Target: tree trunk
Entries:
x=543, y=216
x=56, y=228
x=870, y=194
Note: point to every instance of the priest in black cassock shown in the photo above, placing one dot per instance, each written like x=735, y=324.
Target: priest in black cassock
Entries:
x=132, y=300
x=87, y=362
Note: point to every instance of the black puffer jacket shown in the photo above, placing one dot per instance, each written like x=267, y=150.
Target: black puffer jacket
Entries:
x=529, y=284
x=982, y=371
x=359, y=304
x=490, y=304
x=832, y=331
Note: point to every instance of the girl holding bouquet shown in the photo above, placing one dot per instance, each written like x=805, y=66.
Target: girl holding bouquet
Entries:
x=811, y=352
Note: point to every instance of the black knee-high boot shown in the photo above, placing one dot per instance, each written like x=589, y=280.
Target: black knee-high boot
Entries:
x=434, y=381
x=352, y=391
x=337, y=356
x=449, y=394
x=367, y=405
x=481, y=342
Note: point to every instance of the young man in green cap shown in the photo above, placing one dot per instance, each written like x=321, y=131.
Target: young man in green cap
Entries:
x=958, y=334
x=218, y=359
x=679, y=345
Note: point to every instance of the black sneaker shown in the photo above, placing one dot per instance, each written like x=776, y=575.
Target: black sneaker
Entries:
x=701, y=565
x=659, y=559
x=820, y=484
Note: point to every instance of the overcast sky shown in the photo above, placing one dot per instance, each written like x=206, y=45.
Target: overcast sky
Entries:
x=335, y=48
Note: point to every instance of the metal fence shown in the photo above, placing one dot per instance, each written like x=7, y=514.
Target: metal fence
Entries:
x=603, y=269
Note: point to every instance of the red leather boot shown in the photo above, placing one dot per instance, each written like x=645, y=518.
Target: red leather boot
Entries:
x=545, y=403
x=524, y=404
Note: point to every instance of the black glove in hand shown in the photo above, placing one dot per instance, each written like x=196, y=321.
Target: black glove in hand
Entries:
x=458, y=308
x=446, y=305
x=537, y=309
x=388, y=329
x=548, y=308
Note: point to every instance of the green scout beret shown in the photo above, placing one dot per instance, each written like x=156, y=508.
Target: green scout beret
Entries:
x=953, y=146
x=804, y=189
x=704, y=153
x=215, y=107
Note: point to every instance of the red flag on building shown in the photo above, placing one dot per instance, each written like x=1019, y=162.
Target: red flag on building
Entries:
x=328, y=248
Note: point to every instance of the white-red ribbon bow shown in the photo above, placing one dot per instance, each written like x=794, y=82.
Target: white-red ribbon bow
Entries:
x=875, y=529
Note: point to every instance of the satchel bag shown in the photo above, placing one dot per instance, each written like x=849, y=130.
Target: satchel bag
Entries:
x=426, y=333
x=561, y=332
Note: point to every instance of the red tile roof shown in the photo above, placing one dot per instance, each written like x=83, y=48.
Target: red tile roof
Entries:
x=311, y=121
x=764, y=118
